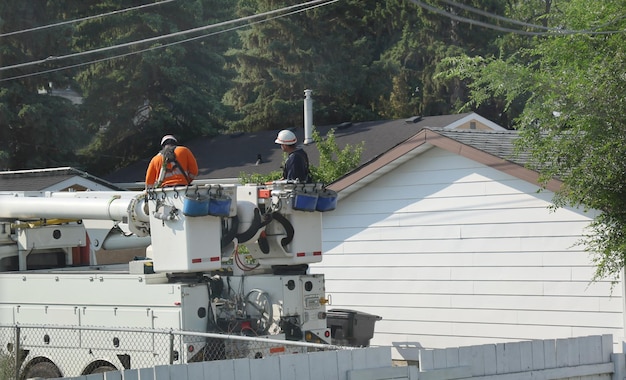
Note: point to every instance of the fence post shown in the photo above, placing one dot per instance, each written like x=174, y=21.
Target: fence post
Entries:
x=171, y=347
x=16, y=349
x=619, y=362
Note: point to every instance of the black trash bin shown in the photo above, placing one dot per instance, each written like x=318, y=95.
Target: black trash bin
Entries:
x=351, y=327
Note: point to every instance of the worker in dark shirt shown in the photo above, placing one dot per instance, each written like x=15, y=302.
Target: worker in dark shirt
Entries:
x=297, y=164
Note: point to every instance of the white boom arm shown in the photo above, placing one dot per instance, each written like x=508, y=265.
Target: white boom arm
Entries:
x=84, y=205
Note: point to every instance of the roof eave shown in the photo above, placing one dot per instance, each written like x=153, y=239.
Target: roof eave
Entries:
x=420, y=143
x=380, y=165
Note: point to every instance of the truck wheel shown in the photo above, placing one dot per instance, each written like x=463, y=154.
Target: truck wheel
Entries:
x=104, y=368
x=45, y=370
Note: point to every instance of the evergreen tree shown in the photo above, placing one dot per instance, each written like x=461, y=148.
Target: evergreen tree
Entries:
x=165, y=86
x=425, y=39
x=363, y=60
x=329, y=49
x=37, y=130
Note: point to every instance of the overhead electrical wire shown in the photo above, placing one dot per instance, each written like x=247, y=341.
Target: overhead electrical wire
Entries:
x=165, y=45
x=495, y=16
x=551, y=32
x=84, y=18
x=170, y=35
x=522, y=23
x=471, y=21
x=309, y=5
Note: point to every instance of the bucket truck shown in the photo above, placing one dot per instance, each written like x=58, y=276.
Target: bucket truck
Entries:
x=229, y=259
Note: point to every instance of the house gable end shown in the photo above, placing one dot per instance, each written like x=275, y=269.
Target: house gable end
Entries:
x=474, y=121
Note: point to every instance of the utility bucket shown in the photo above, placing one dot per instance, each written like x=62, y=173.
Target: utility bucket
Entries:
x=219, y=206
x=196, y=205
x=304, y=201
x=326, y=201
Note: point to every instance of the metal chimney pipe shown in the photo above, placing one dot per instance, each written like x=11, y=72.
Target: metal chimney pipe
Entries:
x=308, y=117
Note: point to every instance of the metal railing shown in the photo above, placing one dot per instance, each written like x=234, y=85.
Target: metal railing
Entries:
x=48, y=351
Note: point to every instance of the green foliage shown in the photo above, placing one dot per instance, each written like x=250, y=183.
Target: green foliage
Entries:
x=363, y=61
x=129, y=101
x=502, y=84
x=389, y=52
x=334, y=162
x=175, y=89
x=37, y=130
x=422, y=40
x=573, y=118
x=260, y=178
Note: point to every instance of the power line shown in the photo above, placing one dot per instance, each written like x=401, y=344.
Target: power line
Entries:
x=166, y=45
x=315, y=4
x=497, y=17
x=83, y=19
x=522, y=23
x=471, y=21
x=153, y=39
x=509, y=30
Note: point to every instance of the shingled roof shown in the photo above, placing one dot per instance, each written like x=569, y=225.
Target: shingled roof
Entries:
x=227, y=156
x=495, y=149
x=55, y=179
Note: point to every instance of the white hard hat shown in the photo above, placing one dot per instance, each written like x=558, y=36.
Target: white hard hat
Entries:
x=286, y=137
x=168, y=137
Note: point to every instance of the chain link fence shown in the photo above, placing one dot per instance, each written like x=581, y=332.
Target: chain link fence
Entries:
x=8, y=362
x=32, y=351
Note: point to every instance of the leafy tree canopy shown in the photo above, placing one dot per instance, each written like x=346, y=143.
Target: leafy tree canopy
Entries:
x=334, y=161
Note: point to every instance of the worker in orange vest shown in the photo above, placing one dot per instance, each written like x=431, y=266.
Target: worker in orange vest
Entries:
x=174, y=165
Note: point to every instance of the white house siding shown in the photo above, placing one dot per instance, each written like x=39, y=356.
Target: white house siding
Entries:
x=450, y=252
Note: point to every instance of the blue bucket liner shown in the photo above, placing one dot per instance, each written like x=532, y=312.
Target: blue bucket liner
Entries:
x=326, y=201
x=304, y=201
x=196, y=205
x=219, y=205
